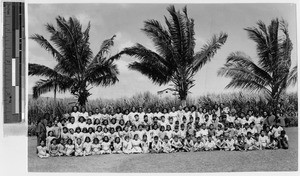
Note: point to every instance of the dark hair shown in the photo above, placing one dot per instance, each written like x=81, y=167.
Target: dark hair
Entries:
x=74, y=107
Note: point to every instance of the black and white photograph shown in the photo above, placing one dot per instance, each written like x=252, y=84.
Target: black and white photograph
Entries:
x=162, y=87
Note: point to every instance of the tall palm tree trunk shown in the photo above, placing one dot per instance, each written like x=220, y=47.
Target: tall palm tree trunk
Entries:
x=54, y=101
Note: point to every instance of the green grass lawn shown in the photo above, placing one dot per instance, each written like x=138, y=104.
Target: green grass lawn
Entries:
x=216, y=161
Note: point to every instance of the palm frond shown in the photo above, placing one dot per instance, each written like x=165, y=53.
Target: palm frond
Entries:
x=43, y=86
x=293, y=76
x=208, y=51
x=159, y=75
x=47, y=46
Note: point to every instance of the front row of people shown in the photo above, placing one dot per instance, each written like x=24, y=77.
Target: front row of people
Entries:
x=66, y=147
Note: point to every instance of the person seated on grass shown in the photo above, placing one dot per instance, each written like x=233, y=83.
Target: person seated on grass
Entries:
x=176, y=144
x=229, y=143
x=156, y=146
x=283, y=140
x=199, y=145
x=42, y=150
x=145, y=144
x=166, y=145
x=61, y=146
x=239, y=143
x=105, y=146
x=188, y=144
x=117, y=146
x=264, y=140
x=210, y=144
x=220, y=144
x=126, y=145
x=70, y=148
x=136, y=145
x=249, y=141
x=78, y=147
x=256, y=143
x=87, y=146
x=96, y=147
x=273, y=145
x=53, y=148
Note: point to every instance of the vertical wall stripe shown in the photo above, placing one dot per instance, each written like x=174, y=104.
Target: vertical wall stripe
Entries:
x=13, y=74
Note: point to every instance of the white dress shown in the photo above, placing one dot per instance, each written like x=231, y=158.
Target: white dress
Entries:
x=127, y=146
x=136, y=146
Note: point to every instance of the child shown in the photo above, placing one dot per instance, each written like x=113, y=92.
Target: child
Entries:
x=87, y=146
x=140, y=132
x=221, y=144
x=249, y=142
x=126, y=147
x=166, y=145
x=176, y=144
x=239, y=144
x=276, y=130
x=117, y=146
x=182, y=132
x=283, y=140
x=199, y=145
x=42, y=150
x=219, y=131
x=210, y=145
x=78, y=133
x=169, y=132
x=188, y=144
x=61, y=147
x=105, y=146
x=69, y=147
x=49, y=138
x=156, y=145
x=145, y=144
x=136, y=145
x=96, y=147
x=53, y=149
x=91, y=134
x=99, y=133
x=273, y=145
x=264, y=140
x=78, y=147
x=162, y=133
x=229, y=144
x=256, y=143
x=65, y=133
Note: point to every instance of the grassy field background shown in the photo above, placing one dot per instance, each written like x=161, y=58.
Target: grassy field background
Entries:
x=215, y=161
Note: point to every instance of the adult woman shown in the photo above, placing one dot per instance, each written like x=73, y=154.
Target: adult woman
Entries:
x=41, y=129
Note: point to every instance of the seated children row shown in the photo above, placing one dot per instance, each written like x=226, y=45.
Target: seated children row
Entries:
x=156, y=141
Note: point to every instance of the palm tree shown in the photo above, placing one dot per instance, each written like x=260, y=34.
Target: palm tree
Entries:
x=175, y=60
x=55, y=81
x=77, y=69
x=270, y=76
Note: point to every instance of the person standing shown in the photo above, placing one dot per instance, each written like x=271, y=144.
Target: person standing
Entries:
x=41, y=129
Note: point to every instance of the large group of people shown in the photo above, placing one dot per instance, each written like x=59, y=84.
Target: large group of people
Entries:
x=188, y=129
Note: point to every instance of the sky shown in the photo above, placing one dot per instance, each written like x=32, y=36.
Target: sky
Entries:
x=126, y=20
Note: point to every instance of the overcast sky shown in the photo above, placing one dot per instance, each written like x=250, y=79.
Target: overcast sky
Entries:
x=126, y=20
